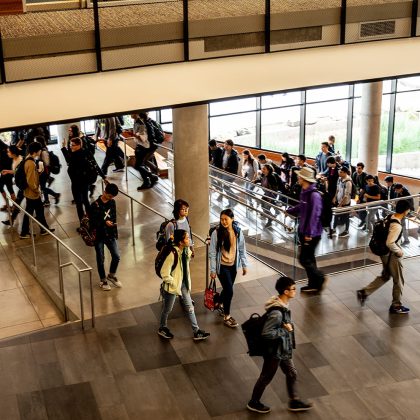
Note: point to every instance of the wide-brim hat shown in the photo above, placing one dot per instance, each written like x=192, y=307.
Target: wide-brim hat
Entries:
x=307, y=174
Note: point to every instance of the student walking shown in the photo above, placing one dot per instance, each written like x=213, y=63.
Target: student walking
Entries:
x=227, y=254
x=103, y=220
x=32, y=192
x=279, y=336
x=309, y=211
x=391, y=262
x=175, y=273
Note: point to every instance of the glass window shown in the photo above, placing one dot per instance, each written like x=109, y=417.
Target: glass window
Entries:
x=167, y=127
x=166, y=115
x=280, y=129
x=322, y=120
x=88, y=126
x=408, y=83
x=386, y=87
x=406, y=146
x=383, y=140
x=236, y=105
x=325, y=94
x=281, y=99
x=241, y=128
x=6, y=137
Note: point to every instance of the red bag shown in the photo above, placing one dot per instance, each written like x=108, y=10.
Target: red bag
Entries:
x=211, y=296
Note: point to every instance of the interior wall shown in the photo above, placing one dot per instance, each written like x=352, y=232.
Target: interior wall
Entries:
x=74, y=97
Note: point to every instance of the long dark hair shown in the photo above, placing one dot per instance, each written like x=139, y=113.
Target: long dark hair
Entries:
x=223, y=237
x=179, y=236
x=249, y=158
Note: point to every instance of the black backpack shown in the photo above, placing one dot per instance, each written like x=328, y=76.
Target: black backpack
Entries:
x=161, y=257
x=55, y=165
x=20, y=175
x=252, y=329
x=161, y=235
x=377, y=243
x=353, y=189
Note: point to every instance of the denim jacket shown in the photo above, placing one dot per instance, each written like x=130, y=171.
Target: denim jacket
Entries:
x=216, y=255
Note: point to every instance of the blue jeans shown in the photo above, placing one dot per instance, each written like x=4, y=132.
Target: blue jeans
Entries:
x=227, y=276
x=168, y=303
x=112, y=245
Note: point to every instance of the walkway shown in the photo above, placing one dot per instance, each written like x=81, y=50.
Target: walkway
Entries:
x=353, y=363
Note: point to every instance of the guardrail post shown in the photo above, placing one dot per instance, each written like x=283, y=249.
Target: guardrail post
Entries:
x=132, y=221
x=82, y=307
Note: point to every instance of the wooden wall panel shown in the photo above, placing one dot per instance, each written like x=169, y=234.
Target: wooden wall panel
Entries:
x=8, y=7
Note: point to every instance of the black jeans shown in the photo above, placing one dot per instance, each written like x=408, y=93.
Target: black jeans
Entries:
x=81, y=198
x=113, y=154
x=269, y=369
x=31, y=207
x=342, y=219
x=227, y=276
x=43, y=178
x=308, y=261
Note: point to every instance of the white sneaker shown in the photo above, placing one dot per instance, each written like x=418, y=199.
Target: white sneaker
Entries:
x=114, y=281
x=103, y=284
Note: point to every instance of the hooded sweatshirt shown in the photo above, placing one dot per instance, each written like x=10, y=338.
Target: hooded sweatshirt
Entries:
x=279, y=314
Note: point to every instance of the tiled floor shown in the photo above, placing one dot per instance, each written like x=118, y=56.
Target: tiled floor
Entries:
x=353, y=363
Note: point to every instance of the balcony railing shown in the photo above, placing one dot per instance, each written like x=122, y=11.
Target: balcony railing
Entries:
x=60, y=38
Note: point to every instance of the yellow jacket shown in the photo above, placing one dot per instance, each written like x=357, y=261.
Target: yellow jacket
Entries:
x=173, y=281
x=32, y=191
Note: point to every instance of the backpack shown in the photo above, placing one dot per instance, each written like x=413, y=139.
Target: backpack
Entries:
x=161, y=257
x=161, y=235
x=377, y=243
x=55, y=165
x=353, y=189
x=252, y=329
x=88, y=235
x=20, y=175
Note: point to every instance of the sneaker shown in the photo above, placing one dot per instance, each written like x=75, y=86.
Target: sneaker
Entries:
x=298, y=405
x=258, y=407
x=405, y=242
x=6, y=222
x=118, y=170
x=361, y=223
x=114, y=281
x=308, y=289
x=153, y=179
x=144, y=186
x=57, y=198
x=45, y=233
x=361, y=297
x=200, y=335
x=47, y=203
x=230, y=322
x=398, y=310
x=92, y=189
x=103, y=284
x=165, y=333
x=25, y=236
x=344, y=234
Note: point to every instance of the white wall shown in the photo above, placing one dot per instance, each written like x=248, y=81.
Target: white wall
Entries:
x=74, y=97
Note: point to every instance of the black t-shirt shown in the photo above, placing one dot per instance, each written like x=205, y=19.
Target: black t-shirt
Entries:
x=373, y=190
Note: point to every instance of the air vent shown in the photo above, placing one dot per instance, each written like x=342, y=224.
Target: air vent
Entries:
x=375, y=29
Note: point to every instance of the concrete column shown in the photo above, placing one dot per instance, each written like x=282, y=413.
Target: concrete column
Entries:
x=191, y=163
x=370, y=126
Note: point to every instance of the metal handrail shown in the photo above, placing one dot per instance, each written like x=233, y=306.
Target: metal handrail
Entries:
x=269, y=216
x=244, y=191
x=380, y=203
x=224, y=173
x=60, y=265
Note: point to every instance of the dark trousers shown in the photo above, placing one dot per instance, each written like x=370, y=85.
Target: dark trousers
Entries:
x=269, y=369
x=31, y=207
x=145, y=173
x=112, y=246
x=227, y=276
x=44, y=189
x=113, y=154
x=308, y=261
x=81, y=199
x=342, y=219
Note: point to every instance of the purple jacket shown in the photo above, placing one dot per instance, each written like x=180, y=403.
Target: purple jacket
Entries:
x=309, y=210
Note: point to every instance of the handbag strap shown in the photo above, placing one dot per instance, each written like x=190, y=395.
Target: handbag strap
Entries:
x=212, y=284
